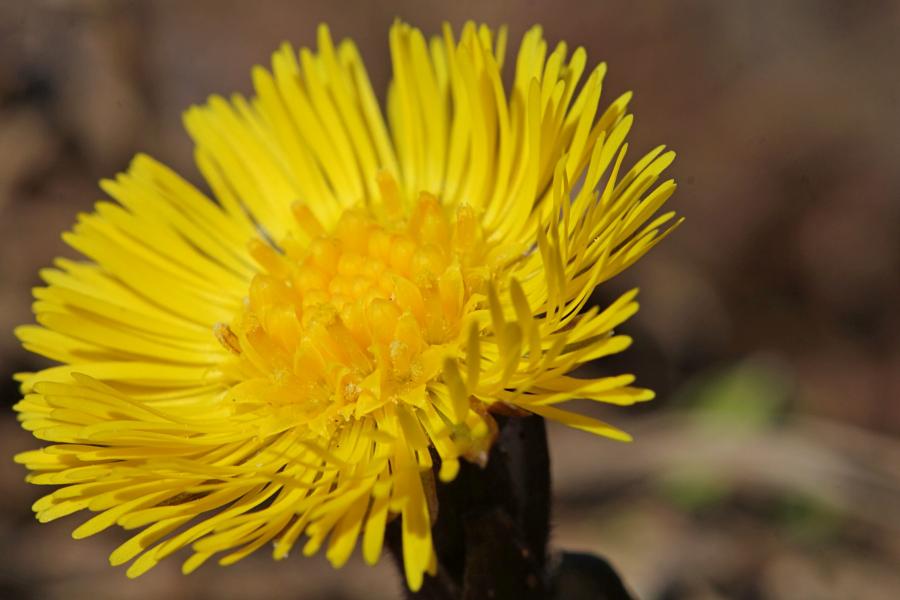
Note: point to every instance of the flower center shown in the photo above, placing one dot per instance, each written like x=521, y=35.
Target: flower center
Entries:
x=341, y=322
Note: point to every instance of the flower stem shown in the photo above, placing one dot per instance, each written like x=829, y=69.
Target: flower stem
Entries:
x=493, y=522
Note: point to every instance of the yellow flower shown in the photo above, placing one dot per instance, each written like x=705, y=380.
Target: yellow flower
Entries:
x=289, y=357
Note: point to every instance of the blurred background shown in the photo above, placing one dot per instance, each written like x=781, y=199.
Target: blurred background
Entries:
x=769, y=465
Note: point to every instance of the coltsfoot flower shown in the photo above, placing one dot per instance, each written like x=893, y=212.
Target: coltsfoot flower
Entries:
x=291, y=356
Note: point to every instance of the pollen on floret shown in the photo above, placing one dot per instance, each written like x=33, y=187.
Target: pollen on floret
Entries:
x=368, y=296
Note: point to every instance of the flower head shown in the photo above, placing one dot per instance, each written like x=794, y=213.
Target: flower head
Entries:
x=293, y=356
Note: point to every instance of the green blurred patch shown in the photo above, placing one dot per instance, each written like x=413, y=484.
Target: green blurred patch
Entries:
x=805, y=518
x=693, y=490
x=751, y=394
x=742, y=398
